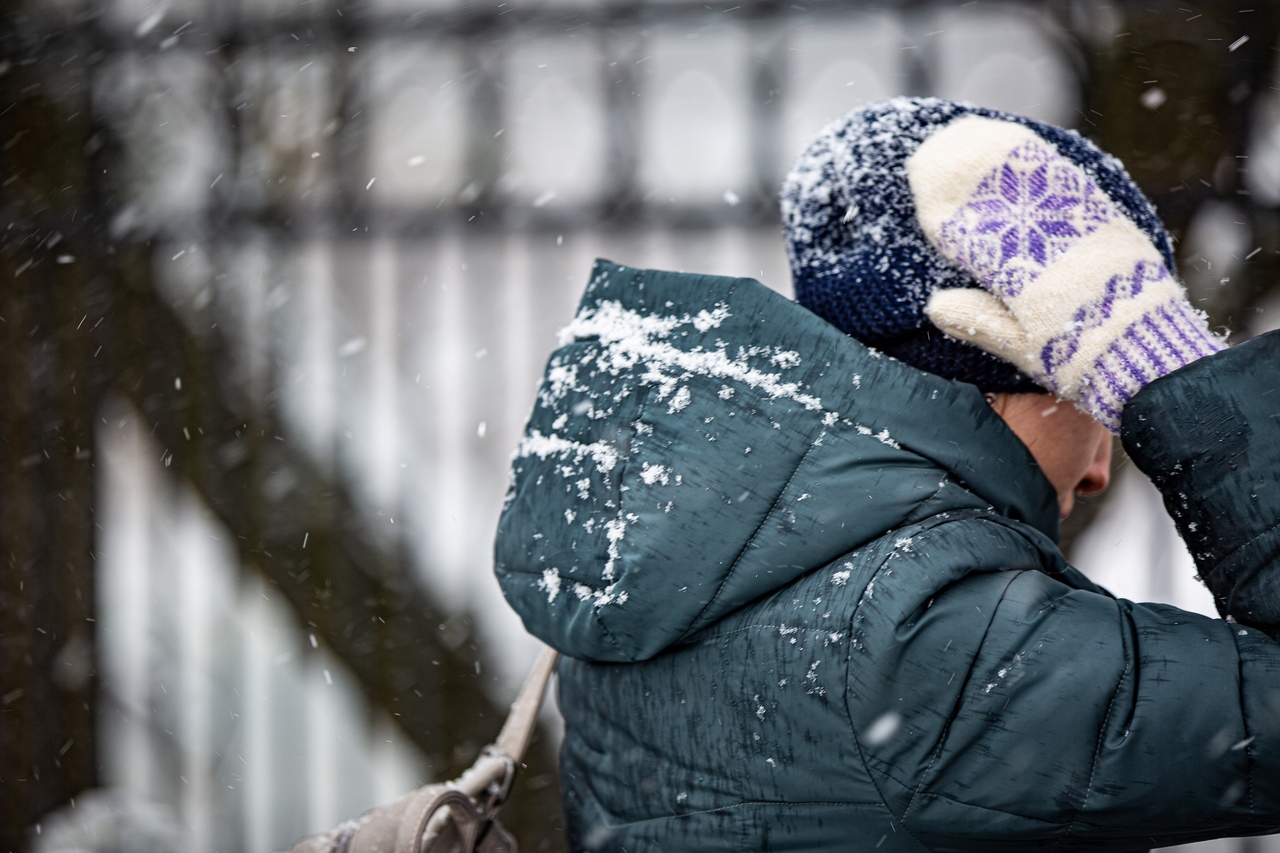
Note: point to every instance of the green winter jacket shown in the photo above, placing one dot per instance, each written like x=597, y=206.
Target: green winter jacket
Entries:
x=811, y=597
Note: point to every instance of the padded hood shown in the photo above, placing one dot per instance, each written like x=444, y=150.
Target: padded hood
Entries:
x=699, y=441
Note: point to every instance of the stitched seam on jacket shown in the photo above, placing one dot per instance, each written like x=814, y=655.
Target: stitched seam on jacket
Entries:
x=752, y=803
x=936, y=795
x=946, y=476
x=1244, y=718
x=1253, y=540
x=923, y=529
x=968, y=676
x=595, y=615
x=595, y=611
x=1097, y=754
x=857, y=741
x=702, y=640
x=768, y=515
x=849, y=804
x=1130, y=642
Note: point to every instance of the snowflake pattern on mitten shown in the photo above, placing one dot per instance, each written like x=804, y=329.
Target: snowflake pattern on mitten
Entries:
x=1023, y=216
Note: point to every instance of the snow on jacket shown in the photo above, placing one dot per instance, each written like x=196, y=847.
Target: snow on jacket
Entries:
x=811, y=597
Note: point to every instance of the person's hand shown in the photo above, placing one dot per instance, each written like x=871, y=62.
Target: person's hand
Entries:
x=1074, y=294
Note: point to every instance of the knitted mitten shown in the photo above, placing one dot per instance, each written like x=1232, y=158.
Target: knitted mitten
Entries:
x=1074, y=294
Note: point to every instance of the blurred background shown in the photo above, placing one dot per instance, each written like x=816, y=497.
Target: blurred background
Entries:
x=278, y=279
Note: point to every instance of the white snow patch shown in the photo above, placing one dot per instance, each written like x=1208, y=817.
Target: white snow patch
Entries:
x=707, y=320
x=630, y=339
x=884, y=438
x=786, y=359
x=550, y=584
x=1013, y=669
x=535, y=443
x=562, y=378
x=615, y=529
x=655, y=474
x=680, y=400
x=812, y=677
x=599, y=597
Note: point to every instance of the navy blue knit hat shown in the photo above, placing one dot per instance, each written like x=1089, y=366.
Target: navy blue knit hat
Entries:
x=858, y=256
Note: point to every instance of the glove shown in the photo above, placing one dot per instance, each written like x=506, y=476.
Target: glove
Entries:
x=1074, y=294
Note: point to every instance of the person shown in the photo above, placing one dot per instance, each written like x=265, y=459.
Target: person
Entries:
x=801, y=556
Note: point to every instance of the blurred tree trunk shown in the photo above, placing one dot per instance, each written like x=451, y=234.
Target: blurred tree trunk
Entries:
x=81, y=318
x=51, y=386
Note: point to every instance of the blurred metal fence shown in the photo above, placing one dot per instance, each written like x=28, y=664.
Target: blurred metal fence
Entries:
x=320, y=251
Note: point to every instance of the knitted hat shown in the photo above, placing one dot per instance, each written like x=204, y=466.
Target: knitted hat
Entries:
x=859, y=258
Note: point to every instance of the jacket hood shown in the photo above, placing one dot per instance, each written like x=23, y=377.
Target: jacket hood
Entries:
x=699, y=441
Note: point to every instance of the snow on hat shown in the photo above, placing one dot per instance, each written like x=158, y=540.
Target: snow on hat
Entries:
x=858, y=256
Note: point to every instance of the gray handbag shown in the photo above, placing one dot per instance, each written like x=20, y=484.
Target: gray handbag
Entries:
x=460, y=816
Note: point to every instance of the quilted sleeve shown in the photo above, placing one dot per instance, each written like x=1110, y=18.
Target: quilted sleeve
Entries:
x=1208, y=436
x=1016, y=711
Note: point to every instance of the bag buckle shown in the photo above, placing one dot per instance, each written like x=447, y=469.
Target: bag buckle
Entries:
x=499, y=790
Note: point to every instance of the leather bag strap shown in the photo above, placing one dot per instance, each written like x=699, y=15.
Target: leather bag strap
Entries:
x=461, y=810
x=496, y=765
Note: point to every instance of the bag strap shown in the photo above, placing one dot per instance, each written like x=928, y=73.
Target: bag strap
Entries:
x=487, y=783
x=410, y=824
x=517, y=730
x=498, y=761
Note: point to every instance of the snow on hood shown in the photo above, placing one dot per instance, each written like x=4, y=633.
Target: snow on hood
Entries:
x=698, y=442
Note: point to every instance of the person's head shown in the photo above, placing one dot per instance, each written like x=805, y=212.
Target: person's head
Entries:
x=860, y=260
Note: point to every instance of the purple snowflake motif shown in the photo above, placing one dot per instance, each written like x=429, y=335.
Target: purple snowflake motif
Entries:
x=1062, y=348
x=1022, y=217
